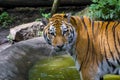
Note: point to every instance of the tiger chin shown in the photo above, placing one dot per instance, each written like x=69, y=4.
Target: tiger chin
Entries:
x=94, y=45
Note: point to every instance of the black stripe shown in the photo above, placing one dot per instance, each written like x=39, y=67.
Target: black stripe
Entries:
x=93, y=55
x=110, y=51
x=90, y=20
x=100, y=52
x=106, y=27
x=113, y=67
x=98, y=24
x=74, y=20
x=117, y=72
x=97, y=60
x=108, y=70
x=86, y=57
x=106, y=58
x=118, y=61
x=81, y=65
x=72, y=31
x=116, y=42
x=106, y=32
x=100, y=44
x=92, y=28
x=102, y=67
x=46, y=38
x=118, y=39
x=87, y=54
x=98, y=29
x=48, y=41
x=82, y=18
x=102, y=25
x=113, y=29
x=101, y=33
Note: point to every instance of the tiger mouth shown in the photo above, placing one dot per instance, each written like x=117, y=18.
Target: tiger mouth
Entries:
x=59, y=49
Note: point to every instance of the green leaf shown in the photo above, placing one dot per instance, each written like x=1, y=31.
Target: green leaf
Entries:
x=105, y=9
x=95, y=1
x=5, y=19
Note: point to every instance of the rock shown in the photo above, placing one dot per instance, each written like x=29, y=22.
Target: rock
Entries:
x=84, y=12
x=16, y=60
x=26, y=31
x=3, y=36
x=4, y=46
x=3, y=40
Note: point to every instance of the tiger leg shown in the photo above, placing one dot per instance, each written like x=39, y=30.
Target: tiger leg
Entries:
x=85, y=75
x=90, y=73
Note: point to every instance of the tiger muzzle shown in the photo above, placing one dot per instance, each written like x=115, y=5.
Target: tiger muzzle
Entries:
x=60, y=48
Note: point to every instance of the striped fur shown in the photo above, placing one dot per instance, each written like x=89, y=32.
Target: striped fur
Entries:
x=95, y=45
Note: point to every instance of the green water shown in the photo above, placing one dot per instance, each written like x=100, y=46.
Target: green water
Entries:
x=111, y=77
x=56, y=68
x=59, y=68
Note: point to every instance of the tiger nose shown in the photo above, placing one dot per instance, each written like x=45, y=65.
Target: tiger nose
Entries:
x=60, y=46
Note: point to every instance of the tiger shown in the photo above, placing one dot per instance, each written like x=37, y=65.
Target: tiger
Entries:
x=94, y=45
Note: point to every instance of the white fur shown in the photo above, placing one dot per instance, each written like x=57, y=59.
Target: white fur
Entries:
x=104, y=68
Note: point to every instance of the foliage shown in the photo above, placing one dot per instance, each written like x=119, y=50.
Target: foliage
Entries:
x=105, y=9
x=10, y=38
x=40, y=33
x=46, y=15
x=5, y=19
x=43, y=14
x=41, y=10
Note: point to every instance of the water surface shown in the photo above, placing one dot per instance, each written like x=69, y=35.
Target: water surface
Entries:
x=55, y=68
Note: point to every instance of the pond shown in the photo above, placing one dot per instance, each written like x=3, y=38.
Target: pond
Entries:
x=59, y=68
x=55, y=68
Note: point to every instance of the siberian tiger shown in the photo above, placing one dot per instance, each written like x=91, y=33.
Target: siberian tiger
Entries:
x=95, y=45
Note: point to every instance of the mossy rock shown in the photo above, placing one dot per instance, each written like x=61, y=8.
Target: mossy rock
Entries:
x=59, y=68
x=111, y=77
x=84, y=12
x=56, y=68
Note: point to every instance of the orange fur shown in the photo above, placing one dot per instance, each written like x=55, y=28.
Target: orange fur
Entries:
x=95, y=41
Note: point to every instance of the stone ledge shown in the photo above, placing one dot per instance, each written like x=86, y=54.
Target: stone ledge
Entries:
x=16, y=60
x=26, y=31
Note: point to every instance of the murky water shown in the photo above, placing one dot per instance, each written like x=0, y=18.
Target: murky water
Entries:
x=59, y=68
x=111, y=77
x=56, y=68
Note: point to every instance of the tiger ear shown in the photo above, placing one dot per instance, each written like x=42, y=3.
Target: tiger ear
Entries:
x=68, y=16
x=44, y=21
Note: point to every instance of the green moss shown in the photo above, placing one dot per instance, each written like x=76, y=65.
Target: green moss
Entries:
x=56, y=68
x=111, y=77
x=59, y=68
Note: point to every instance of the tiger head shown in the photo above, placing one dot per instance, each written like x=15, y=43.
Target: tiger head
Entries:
x=59, y=32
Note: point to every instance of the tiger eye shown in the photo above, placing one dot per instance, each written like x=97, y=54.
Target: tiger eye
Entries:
x=66, y=34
